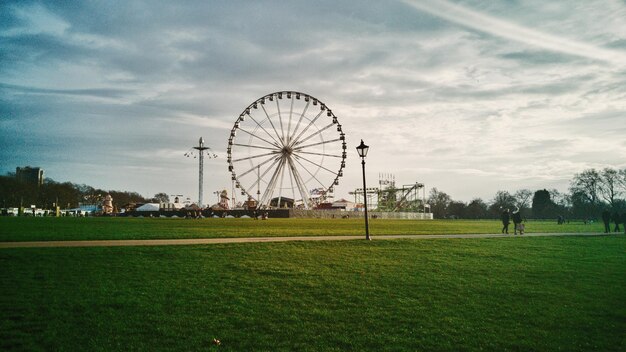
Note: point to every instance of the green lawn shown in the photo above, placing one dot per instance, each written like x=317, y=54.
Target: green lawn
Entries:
x=45, y=229
x=515, y=294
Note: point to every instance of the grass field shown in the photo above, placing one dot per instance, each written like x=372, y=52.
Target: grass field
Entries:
x=45, y=229
x=515, y=294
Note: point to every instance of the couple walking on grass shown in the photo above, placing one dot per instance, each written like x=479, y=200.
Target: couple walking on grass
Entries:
x=616, y=218
x=518, y=224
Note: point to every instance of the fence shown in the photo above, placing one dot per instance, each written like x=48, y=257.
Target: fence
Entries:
x=332, y=214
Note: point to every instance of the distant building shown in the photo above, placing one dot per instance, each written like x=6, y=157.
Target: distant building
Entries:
x=29, y=175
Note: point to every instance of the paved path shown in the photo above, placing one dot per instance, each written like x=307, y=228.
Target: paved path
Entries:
x=191, y=241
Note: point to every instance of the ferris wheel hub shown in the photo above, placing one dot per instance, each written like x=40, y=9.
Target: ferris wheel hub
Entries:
x=287, y=151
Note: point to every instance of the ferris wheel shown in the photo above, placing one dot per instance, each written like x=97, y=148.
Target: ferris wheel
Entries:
x=286, y=145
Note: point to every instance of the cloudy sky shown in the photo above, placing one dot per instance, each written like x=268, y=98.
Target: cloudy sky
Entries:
x=467, y=96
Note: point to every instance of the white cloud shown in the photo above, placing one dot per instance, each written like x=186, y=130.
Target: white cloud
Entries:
x=200, y=121
x=501, y=28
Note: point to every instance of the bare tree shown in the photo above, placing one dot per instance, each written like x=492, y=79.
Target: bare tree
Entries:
x=622, y=179
x=523, y=198
x=457, y=209
x=561, y=199
x=502, y=200
x=439, y=202
x=476, y=209
x=161, y=198
x=609, y=187
x=587, y=185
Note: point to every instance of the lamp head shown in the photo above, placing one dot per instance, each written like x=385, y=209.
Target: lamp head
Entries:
x=362, y=149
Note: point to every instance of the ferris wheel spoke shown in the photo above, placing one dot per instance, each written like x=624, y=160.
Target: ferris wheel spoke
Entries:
x=295, y=130
x=262, y=176
x=290, y=116
x=270, y=120
x=259, y=165
x=282, y=178
x=320, y=154
x=312, y=123
x=299, y=183
x=264, y=130
x=253, y=146
x=316, y=164
x=314, y=144
x=293, y=190
x=255, y=156
x=280, y=119
x=275, y=183
x=263, y=139
x=315, y=134
x=269, y=191
x=271, y=184
x=310, y=173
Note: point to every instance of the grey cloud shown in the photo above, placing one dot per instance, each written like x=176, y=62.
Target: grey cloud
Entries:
x=531, y=57
x=548, y=147
x=8, y=19
x=38, y=49
x=556, y=87
x=92, y=92
x=605, y=121
x=618, y=44
x=237, y=40
x=614, y=87
x=259, y=19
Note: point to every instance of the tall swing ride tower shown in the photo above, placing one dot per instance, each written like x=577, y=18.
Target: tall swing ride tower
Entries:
x=201, y=151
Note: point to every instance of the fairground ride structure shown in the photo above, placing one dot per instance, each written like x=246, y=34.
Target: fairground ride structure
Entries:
x=391, y=198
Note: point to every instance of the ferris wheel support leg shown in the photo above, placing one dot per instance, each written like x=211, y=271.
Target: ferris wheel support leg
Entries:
x=300, y=183
x=269, y=191
x=282, y=177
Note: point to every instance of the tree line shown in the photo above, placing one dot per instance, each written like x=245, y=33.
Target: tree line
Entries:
x=67, y=195
x=590, y=192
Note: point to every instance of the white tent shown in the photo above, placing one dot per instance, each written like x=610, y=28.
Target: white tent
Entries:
x=148, y=207
x=344, y=204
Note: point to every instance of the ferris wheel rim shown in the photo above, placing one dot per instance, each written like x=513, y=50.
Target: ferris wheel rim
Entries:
x=288, y=154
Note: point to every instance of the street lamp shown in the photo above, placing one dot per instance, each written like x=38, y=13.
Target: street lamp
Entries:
x=362, y=150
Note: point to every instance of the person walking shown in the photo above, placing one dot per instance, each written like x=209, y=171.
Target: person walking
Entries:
x=616, y=219
x=517, y=222
x=505, y=221
x=606, y=218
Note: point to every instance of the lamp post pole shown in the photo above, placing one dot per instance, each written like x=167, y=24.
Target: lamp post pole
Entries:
x=362, y=150
x=367, y=227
